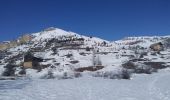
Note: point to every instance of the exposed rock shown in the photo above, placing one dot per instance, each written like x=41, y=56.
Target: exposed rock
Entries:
x=90, y=68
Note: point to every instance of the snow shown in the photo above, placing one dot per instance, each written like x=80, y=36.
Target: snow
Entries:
x=57, y=33
x=140, y=87
x=111, y=61
x=87, y=87
x=51, y=34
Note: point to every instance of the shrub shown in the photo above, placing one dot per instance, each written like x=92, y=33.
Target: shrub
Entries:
x=69, y=55
x=87, y=48
x=129, y=65
x=22, y=72
x=49, y=75
x=76, y=75
x=9, y=70
x=82, y=53
x=156, y=65
x=90, y=68
x=74, y=62
x=123, y=74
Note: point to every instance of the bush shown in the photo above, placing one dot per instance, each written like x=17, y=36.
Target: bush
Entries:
x=143, y=70
x=77, y=75
x=82, y=53
x=69, y=55
x=139, y=68
x=156, y=65
x=129, y=65
x=22, y=72
x=123, y=74
x=49, y=75
x=9, y=70
x=90, y=68
x=87, y=49
x=74, y=62
x=143, y=54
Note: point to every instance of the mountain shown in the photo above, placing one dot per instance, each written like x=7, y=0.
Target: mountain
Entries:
x=56, y=53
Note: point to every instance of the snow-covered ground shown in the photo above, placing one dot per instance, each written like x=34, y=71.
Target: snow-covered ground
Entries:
x=140, y=87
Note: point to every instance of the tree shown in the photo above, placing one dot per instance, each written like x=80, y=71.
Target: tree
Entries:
x=9, y=70
x=87, y=48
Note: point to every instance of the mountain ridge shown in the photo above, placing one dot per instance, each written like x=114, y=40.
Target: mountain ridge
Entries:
x=55, y=53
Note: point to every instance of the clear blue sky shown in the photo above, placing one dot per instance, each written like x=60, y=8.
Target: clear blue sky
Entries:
x=108, y=19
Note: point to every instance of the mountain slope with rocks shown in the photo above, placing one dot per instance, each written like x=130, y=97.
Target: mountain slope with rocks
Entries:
x=56, y=53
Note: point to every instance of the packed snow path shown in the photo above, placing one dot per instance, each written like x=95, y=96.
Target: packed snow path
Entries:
x=141, y=87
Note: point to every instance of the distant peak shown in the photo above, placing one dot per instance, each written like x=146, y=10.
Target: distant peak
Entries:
x=52, y=32
x=49, y=29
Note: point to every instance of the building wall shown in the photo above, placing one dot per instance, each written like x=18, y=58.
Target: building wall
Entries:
x=157, y=47
x=27, y=65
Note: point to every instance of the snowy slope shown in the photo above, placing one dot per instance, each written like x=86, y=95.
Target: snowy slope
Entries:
x=56, y=33
x=111, y=54
x=141, y=87
x=147, y=71
x=51, y=34
x=144, y=41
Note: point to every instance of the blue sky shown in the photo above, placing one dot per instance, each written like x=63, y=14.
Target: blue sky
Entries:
x=108, y=19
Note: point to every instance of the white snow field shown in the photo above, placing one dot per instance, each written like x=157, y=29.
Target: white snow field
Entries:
x=140, y=87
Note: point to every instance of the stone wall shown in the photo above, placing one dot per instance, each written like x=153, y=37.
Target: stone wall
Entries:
x=27, y=65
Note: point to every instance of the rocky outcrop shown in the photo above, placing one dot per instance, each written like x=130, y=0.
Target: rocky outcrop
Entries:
x=157, y=46
x=22, y=40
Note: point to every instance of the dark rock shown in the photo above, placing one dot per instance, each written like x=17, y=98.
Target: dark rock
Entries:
x=90, y=68
x=129, y=65
x=156, y=65
x=74, y=62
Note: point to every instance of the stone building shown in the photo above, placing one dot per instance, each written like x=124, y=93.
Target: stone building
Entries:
x=31, y=62
x=157, y=46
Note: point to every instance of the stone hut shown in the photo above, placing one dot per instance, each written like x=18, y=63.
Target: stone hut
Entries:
x=31, y=62
x=157, y=46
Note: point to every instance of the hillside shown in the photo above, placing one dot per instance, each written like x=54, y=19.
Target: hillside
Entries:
x=56, y=53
